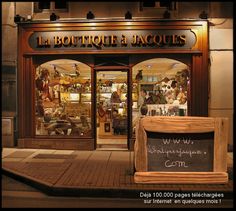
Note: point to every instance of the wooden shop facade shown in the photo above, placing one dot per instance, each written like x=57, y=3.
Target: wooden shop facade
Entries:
x=84, y=84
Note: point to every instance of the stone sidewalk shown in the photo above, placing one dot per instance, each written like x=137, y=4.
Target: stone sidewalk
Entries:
x=90, y=173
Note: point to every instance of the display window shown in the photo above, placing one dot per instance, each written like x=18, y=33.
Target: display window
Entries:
x=63, y=99
x=160, y=88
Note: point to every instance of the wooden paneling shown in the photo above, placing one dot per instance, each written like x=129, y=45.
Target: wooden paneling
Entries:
x=181, y=177
x=199, y=87
x=52, y=143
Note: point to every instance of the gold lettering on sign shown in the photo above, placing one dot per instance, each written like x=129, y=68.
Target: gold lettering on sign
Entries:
x=96, y=41
x=174, y=39
x=65, y=40
x=182, y=40
x=57, y=41
x=43, y=43
x=47, y=42
x=141, y=40
x=89, y=41
x=123, y=40
x=157, y=39
x=166, y=39
x=113, y=40
x=149, y=39
x=83, y=38
x=99, y=41
x=104, y=40
x=134, y=41
x=74, y=40
x=39, y=41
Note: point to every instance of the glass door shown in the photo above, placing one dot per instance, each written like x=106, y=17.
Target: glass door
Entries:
x=111, y=109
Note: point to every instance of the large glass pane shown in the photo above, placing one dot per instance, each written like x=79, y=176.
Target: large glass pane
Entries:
x=160, y=87
x=61, y=4
x=112, y=107
x=43, y=5
x=63, y=99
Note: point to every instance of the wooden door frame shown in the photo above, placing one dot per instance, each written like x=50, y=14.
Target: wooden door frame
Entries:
x=129, y=98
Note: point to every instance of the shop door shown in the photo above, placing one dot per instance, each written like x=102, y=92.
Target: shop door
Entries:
x=112, y=109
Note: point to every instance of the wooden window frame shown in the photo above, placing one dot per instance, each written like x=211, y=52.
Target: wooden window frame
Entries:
x=52, y=8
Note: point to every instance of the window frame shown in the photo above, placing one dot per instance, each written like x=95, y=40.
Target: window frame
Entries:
x=173, y=6
x=52, y=8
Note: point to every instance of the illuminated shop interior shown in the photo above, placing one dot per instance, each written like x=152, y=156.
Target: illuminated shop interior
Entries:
x=63, y=97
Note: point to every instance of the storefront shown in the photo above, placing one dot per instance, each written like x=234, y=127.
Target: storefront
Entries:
x=82, y=85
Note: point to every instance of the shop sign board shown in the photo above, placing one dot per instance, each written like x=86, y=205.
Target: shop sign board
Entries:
x=181, y=150
x=110, y=39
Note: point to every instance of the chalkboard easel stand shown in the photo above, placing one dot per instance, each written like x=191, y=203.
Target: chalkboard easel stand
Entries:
x=197, y=125
x=181, y=177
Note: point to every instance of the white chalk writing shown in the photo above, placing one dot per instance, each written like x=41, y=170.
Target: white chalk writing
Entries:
x=176, y=141
x=155, y=150
x=176, y=163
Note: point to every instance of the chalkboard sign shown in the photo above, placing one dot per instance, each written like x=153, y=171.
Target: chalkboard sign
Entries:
x=181, y=150
x=191, y=152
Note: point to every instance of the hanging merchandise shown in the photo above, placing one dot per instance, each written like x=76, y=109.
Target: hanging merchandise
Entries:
x=115, y=98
